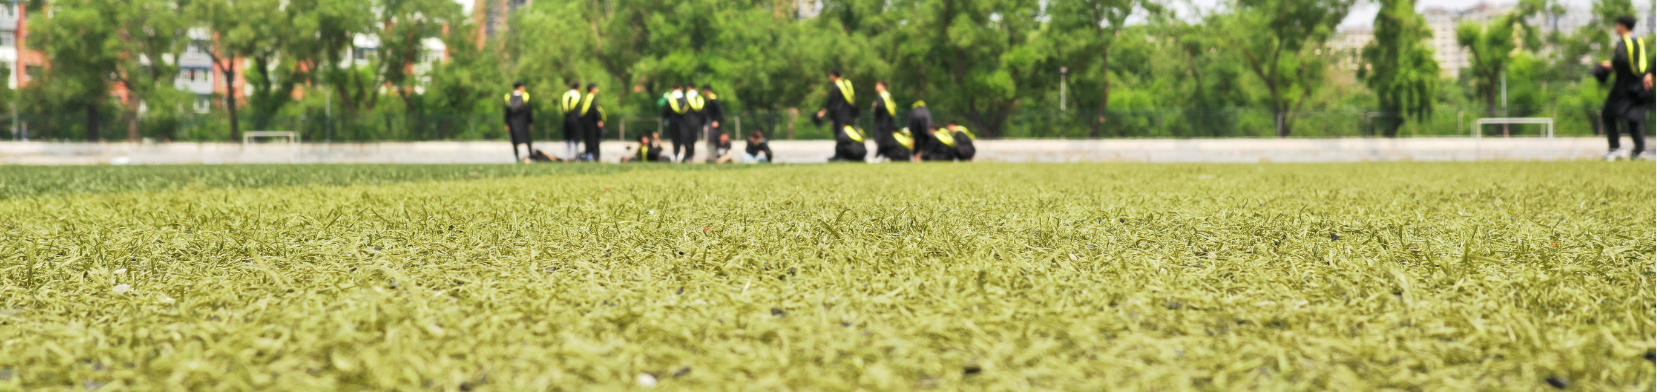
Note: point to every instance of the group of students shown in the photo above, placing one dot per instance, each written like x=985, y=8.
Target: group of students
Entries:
x=921, y=140
x=688, y=113
x=583, y=124
x=650, y=149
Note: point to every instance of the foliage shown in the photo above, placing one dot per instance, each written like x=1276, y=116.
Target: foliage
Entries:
x=86, y=48
x=1432, y=276
x=1137, y=68
x=1492, y=46
x=1279, y=49
x=1087, y=29
x=1398, y=65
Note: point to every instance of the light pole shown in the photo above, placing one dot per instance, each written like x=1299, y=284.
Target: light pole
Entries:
x=1064, y=72
x=328, y=120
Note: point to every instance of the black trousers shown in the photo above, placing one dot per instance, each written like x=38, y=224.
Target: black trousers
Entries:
x=520, y=135
x=684, y=139
x=1624, y=114
x=895, y=152
x=850, y=151
x=940, y=152
x=593, y=136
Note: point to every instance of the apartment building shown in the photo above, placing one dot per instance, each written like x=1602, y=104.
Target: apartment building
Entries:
x=1451, y=56
x=491, y=16
x=22, y=64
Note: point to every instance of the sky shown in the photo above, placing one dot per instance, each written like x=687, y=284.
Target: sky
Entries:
x=1362, y=14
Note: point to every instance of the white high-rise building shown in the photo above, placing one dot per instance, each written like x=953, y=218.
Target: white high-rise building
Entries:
x=1451, y=56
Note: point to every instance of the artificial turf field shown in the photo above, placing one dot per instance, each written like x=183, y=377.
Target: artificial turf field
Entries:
x=1412, y=276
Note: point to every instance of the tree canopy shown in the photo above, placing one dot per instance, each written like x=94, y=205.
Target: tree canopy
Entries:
x=1136, y=67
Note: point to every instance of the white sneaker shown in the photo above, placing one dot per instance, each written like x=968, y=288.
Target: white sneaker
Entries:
x=1611, y=155
x=1642, y=156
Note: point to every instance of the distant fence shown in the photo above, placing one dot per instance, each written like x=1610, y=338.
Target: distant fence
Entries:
x=782, y=125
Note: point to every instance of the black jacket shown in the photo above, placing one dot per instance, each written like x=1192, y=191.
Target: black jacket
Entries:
x=1628, y=83
x=920, y=127
x=840, y=110
x=591, y=113
x=713, y=110
x=763, y=145
x=690, y=122
x=520, y=116
x=885, y=123
x=648, y=153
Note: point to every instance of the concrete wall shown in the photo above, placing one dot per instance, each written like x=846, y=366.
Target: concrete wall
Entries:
x=816, y=151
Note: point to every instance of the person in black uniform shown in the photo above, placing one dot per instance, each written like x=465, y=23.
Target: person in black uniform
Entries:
x=686, y=125
x=1630, y=99
x=592, y=123
x=964, y=149
x=696, y=119
x=842, y=115
x=520, y=120
x=668, y=103
x=942, y=147
x=713, y=113
x=920, y=128
x=570, y=106
x=886, y=113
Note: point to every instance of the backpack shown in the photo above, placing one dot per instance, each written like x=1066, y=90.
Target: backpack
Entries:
x=516, y=101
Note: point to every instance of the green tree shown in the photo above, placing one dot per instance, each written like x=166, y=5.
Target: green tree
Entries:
x=1088, y=28
x=978, y=59
x=467, y=84
x=241, y=29
x=1492, y=46
x=399, y=30
x=85, y=49
x=1279, y=40
x=154, y=33
x=1398, y=65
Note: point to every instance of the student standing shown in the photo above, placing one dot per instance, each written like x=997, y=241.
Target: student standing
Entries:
x=886, y=113
x=1629, y=101
x=842, y=115
x=520, y=120
x=592, y=123
x=570, y=106
x=713, y=112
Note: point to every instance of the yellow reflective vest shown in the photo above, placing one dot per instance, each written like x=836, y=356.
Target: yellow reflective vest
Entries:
x=571, y=102
x=853, y=133
x=904, y=138
x=846, y=90
x=587, y=105
x=945, y=136
x=891, y=107
x=1635, y=63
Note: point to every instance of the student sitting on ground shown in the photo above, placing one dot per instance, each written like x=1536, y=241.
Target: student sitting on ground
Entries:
x=759, y=149
x=538, y=156
x=647, y=151
x=963, y=141
x=942, y=146
x=722, y=152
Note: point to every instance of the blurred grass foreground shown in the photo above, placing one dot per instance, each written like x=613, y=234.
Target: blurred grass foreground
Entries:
x=1422, y=276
